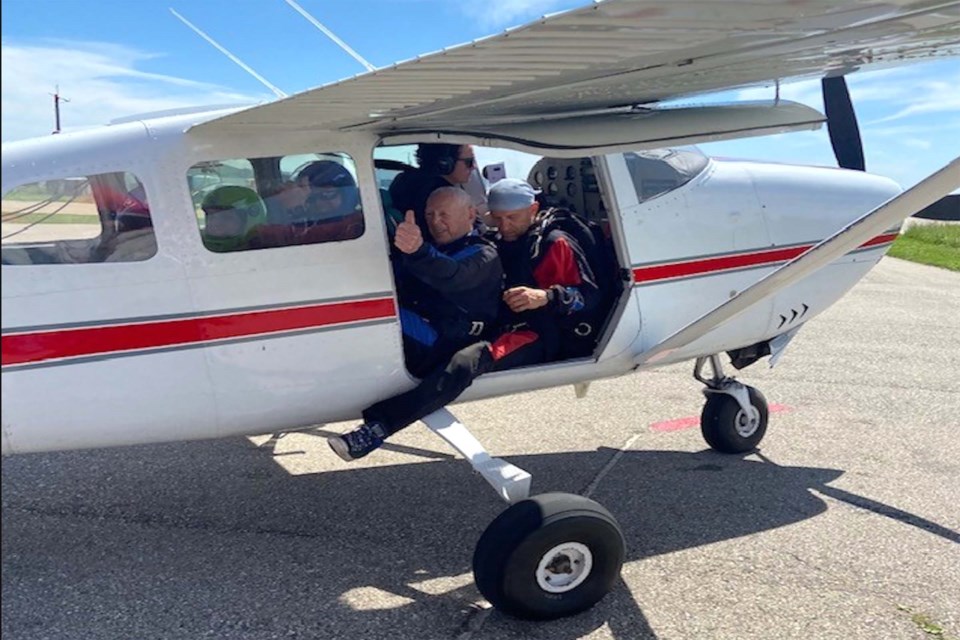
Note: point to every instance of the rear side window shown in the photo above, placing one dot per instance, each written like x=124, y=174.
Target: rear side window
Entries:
x=77, y=220
x=244, y=204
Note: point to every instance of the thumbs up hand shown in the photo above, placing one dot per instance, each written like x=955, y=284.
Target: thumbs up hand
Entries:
x=408, y=238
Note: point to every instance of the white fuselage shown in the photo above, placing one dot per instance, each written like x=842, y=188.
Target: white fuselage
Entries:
x=190, y=344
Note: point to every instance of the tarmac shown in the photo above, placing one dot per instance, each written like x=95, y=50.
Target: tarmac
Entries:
x=844, y=525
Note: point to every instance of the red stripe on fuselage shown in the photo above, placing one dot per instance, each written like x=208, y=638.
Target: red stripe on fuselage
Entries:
x=41, y=345
x=704, y=266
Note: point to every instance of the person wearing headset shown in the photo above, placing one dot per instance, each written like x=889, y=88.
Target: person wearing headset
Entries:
x=440, y=165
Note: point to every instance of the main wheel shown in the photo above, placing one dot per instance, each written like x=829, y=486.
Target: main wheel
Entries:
x=549, y=556
x=728, y=428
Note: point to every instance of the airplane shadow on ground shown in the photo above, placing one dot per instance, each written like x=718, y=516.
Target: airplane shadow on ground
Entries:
x=214, y=539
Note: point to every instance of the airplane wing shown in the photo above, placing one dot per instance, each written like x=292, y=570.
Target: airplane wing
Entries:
x=847, y=239
x=613, y=54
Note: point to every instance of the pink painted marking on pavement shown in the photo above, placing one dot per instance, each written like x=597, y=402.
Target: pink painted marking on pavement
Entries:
x=680, y=424
x=675, y=425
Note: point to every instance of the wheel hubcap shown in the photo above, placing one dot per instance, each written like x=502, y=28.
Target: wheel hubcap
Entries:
x=746, y=423
x=564, y=567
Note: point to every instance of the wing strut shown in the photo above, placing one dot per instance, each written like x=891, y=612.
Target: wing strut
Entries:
x=330, y=34
x=847, y=239
x=243, y=65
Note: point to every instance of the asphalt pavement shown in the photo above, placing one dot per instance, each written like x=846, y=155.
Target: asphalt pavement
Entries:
x=845, y=524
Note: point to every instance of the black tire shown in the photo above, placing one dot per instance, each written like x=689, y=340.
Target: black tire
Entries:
x=507, y=558
x=721, y=417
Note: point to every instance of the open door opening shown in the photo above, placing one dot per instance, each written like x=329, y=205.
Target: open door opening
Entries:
x=406, y=175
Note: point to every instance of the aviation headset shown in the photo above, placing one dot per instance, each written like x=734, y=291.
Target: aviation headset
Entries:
x=439, y=157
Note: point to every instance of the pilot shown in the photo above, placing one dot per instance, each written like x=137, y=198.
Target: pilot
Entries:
x=232, y=215
x=551, y=293
x=449, y=293
x=440, y=165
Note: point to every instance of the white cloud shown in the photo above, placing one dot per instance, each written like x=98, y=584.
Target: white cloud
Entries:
x=928, y=97
x=101, y=82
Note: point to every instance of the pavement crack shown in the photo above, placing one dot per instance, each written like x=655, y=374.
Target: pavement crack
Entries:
x=610, y=465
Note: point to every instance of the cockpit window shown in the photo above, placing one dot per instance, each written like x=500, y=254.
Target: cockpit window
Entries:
x=657, y=171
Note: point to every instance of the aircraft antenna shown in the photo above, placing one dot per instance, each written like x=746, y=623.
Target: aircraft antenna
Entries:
x=57, y=99
x=330, y=34
x=264, y=81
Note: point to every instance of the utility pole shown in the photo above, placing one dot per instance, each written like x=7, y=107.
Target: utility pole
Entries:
x=57, y=99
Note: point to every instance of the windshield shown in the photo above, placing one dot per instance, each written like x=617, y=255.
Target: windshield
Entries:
x=657, y=171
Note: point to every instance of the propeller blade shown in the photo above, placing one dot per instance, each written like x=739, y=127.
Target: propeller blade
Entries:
x=842, y=124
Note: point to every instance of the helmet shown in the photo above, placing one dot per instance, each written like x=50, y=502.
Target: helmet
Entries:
x=327, y=173
x=236, y=197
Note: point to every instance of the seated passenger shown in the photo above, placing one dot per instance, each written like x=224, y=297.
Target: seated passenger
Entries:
x=553, y=309
x=232, y=216
x=323, y=206
x=134, y=239
x=449, y=296
x=441, y=165
x=448, y=290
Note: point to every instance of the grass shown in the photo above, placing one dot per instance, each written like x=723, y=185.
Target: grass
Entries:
x=935, y=244
x=59, y=218
x=926, y=624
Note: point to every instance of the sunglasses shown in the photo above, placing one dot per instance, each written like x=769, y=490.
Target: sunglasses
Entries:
x=470, y=162
x=325, y=194
x=220, y=209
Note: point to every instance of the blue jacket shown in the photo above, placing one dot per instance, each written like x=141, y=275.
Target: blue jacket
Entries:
x=456, y=288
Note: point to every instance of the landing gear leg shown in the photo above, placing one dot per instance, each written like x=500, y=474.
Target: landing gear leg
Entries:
x=546, y=556
x=734, y=418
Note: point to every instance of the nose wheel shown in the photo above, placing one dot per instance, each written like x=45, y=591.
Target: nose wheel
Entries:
x=734, y=418
x=550, y=556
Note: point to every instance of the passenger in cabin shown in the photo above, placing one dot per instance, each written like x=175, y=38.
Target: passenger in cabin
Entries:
x=232, y=217
x=134, y=239
x=448, y=290
x=552, y=285
x=441, y=165
x=323, y=205
x=551, y=309
x=449, y=295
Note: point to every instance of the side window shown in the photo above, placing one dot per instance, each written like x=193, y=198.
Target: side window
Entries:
x=244, y=204
x=657, y=171
x=76, y=220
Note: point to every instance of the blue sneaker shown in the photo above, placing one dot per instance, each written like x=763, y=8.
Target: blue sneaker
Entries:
x=359, y=442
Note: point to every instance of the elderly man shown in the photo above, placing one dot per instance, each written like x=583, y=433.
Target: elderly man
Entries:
x=551, y=296
x=449, y=293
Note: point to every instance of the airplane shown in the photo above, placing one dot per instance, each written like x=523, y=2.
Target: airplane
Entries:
x=125, y=321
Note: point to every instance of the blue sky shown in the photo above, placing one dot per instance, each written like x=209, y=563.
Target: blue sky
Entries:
x=113, y=58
